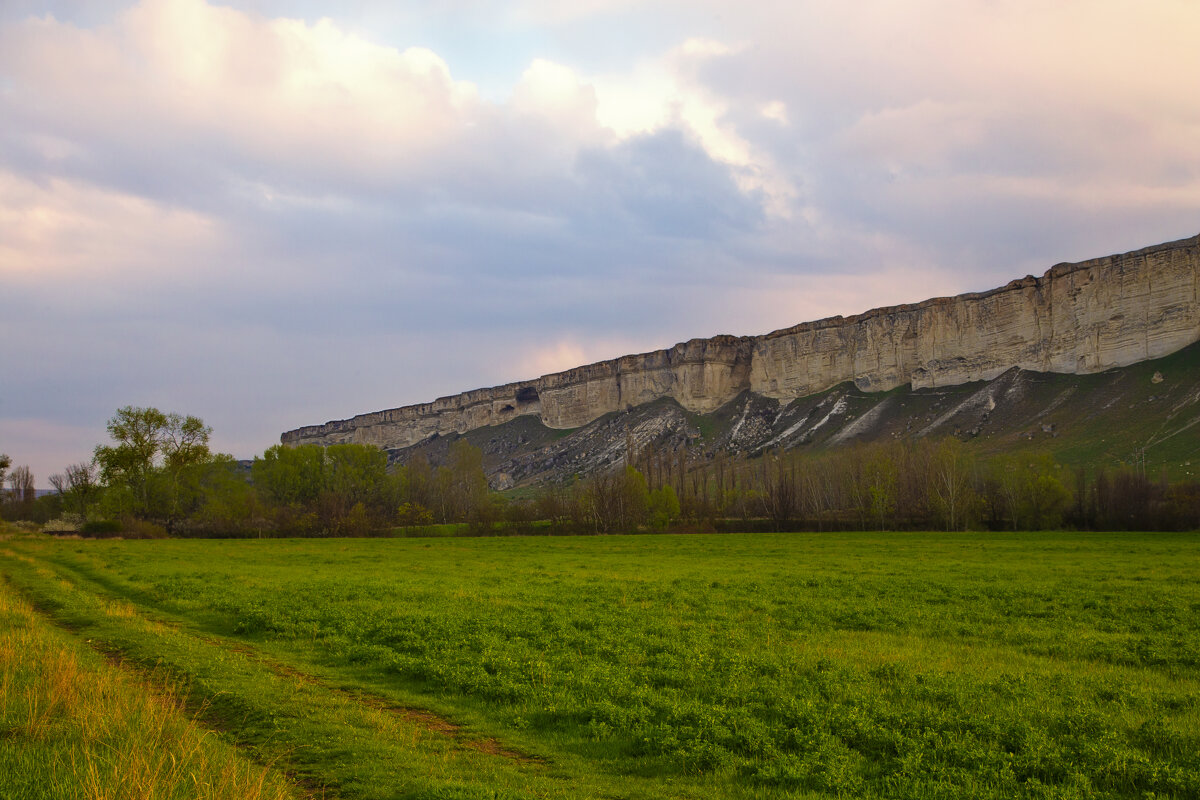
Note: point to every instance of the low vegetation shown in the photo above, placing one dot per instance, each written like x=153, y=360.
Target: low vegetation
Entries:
x=158, y=478
x=770, y=665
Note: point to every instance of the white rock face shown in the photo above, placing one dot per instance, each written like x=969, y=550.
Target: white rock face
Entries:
x=1077, y=318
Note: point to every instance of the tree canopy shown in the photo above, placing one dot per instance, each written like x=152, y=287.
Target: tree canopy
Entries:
x=151, y=466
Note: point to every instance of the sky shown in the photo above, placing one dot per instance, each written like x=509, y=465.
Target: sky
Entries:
x=272, y=214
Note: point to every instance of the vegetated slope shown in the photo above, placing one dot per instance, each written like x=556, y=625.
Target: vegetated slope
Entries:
x=1146, y=416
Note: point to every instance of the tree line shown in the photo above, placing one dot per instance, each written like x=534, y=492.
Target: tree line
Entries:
x=916, y=484
x=158, y=477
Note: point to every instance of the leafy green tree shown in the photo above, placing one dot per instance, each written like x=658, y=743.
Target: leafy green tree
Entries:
x=356, y=473
x=410, y=515
x=1031, y=491
x=486, y=512
x=131, y=463
x=342, y=488
x=637, y=497
x=455, y=491
x=467, y=484
x=1047, y=497
x=414, y=482
x=356, y=521
x=290, y=476
x=229, y=504
x=151, y=467
x=880, y=478
x=664, y=507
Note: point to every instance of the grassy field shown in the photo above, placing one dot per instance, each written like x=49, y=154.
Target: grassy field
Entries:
x=72, y=726
x=782, y=665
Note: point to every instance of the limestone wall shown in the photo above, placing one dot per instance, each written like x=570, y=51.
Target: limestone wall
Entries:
x=1077, y=318
x=701, y=374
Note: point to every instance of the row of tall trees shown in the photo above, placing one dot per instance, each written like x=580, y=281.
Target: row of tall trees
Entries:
x=915, y=484
x=348, y=489
x=158, y=475
x=901, y=484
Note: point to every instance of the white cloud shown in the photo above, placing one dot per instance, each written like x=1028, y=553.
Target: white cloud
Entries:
x=555, y=12
x=775, y=110
x=64, y=229
x=667, y=92
x=277, y=94
x=568, y=351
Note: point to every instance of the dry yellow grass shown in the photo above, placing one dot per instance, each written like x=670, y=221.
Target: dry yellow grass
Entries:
x=76, y=727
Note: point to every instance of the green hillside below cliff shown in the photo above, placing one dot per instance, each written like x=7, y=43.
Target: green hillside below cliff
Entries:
x=1142, y=417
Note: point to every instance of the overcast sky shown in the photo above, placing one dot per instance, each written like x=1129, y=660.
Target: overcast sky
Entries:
x=272, y=214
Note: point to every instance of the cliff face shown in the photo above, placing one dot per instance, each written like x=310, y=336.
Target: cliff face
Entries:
x=1077, y=318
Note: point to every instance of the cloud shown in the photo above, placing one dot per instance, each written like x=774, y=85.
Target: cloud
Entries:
x=180, y=85
x=668, y=92
x=537, y=359
x=272, y=221
x=65, y=229
x=665, y=186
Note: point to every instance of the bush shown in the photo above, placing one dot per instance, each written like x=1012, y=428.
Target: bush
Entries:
x=67, y=523
x=142, y=529
x=101, y=528
x=130, y=529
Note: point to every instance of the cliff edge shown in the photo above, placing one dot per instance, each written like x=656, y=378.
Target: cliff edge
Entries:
x=1076, y=318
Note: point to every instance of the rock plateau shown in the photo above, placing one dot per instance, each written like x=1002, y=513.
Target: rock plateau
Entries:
x=1078, y=319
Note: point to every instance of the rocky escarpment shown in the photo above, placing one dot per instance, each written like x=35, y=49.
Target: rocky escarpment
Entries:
x=1076, y=318
x=1145, y=414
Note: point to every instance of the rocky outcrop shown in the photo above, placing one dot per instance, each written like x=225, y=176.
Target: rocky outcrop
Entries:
x=1077, y=318
x=701, y=374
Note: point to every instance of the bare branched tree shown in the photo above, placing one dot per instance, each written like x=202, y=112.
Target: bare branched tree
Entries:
x=21, y=491
x=780, y=490
x=79, y=485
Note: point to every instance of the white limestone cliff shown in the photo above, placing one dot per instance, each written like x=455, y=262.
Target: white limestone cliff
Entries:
x=1076, y=318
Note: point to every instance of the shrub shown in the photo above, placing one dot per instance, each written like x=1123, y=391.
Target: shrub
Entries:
x=143, y=529
x=67, y=523
x=101, y=528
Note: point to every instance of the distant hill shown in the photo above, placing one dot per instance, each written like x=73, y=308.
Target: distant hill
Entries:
x=1066, y=361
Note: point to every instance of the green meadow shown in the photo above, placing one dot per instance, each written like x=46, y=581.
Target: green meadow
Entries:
x=1049, y=665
